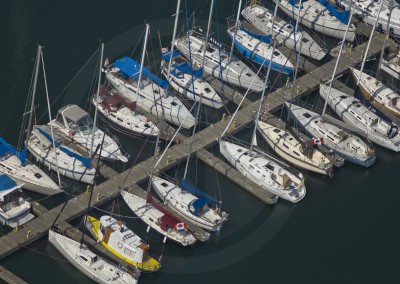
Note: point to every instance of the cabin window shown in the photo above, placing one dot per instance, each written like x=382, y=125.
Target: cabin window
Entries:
x=368, y=78
x=296, y=153
x=164, y=184
x=38, y=176
x=322, y=131
x=330, y=138
x=270, y=167
x=128, y=252
x=207, y=89
x=305, y=40
x=276, y=130
x=306, y=115
x=174, y=104
x=248, y=74
x=83, y=258
x=239, y=150
x=276, y=53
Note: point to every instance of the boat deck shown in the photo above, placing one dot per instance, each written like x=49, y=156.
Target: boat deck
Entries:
x=203, y=140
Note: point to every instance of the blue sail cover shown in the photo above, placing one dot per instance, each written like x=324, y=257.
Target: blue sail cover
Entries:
x=183, y=67
x=6, y=182
x=167, y=54
x=83, y=160
x=5, y=147
x=131, y=68
x=203, y=197
x=294, y=3
x=266, y=38
x=344, y=17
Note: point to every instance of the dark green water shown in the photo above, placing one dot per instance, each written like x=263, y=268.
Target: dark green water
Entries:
x=345, y=231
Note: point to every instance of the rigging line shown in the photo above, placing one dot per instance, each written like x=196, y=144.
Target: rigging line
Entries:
x=109, y=213
x=219, y=49
x=137, y=44
x=71, y=81
x=45, y=254
x=134, y=162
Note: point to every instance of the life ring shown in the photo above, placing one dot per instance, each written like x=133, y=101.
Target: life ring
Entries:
x=119, y=245
x=71, y=132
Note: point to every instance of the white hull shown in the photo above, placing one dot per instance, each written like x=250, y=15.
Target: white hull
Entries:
x=264, y=171
x=152, y=217
x=348, y=146
x=234, y=72
x=353, y=112
x=95, y=267
x=128, y=120
x=166, y=107
x=179, y=202
x=260, y=17
x=42, y=150
x=323, y=166
x=315, y=16
x=30, y=175
x=204, y=92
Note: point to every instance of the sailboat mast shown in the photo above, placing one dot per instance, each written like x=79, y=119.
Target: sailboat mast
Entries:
x=97, y=98
x=207, y=33
x=38, y=54
x=369, y=42
x=387, y=34
x=297, y=62
x=173, y=39
x=92, y=186
x=266, y=79
x=234, y=33
x=337, y=62
x=142, y=59
x=51, y=125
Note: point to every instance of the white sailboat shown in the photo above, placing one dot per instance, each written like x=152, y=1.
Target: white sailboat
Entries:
x=379, y=95
x=15, y=164
x=93, y=266
x=353, y=112
x=320, y=17
x=59, y=157
x=75, y=124
x=347, y=145
x=233, y=71
x=122, y=114
x=368, y=11
x=159, y=219
x=122, y=242
x=14, y=208
x=150, y=92
x=261, y=18
x=188, y=82
x=264, y=170
x=182, y=198
x=302, y=154
x=258, y=49
x=21, y=170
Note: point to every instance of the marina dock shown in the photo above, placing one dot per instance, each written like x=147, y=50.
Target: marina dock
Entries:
x=133, y=179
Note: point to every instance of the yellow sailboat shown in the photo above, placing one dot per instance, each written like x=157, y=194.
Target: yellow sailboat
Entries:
x=122, y=242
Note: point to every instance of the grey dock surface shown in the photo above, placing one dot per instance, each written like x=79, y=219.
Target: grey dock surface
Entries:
x=10, y=277
x=203, y=140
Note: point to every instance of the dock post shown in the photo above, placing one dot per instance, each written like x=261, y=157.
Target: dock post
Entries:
x=98, y=196
x=169, y=160
x=223, y=117
x=87, y=189
x=287, y=82
x=28, y=234
x=235, y=123
x=362, y=54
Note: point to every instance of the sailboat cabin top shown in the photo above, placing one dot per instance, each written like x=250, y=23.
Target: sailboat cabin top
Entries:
x=73, y=117
x=122, y=231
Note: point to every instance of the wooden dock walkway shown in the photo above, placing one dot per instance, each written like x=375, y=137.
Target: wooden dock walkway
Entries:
x=204, y=139
x=10, y=277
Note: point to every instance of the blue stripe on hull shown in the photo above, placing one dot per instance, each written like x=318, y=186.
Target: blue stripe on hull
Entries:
x=260, y=60
x=367, y=163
